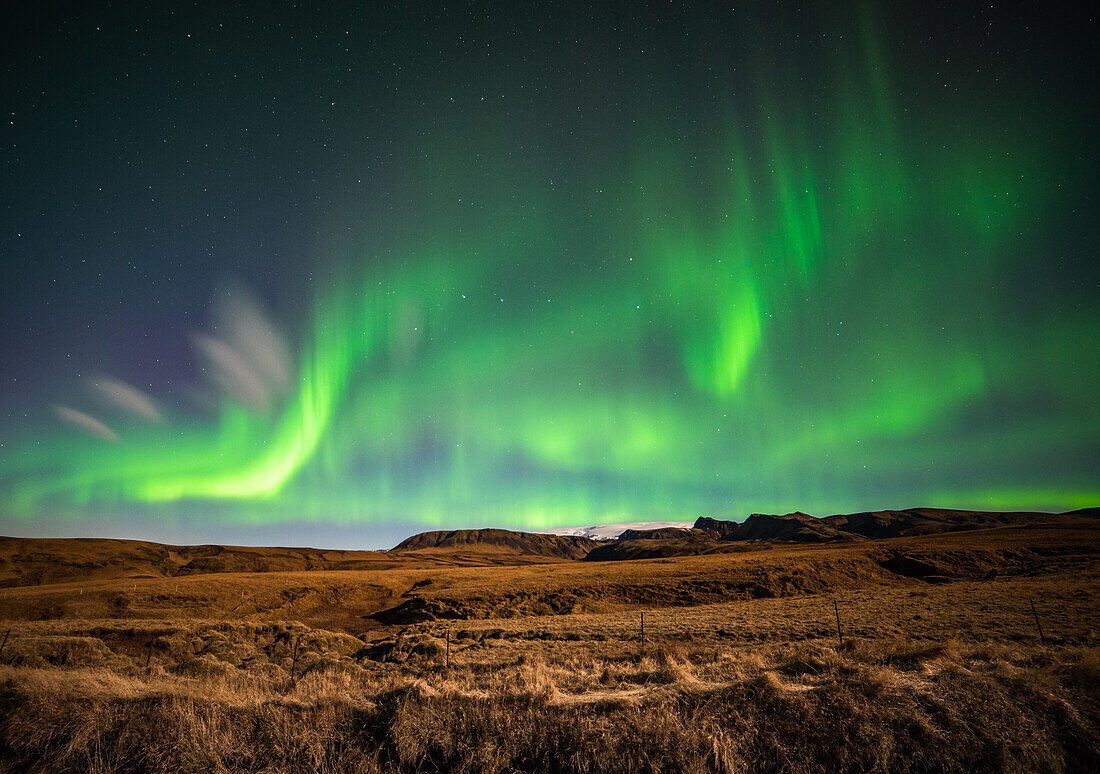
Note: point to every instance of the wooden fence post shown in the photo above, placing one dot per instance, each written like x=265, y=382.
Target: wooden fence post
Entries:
x=5, y=640
x=1038, y=625
x=149, y=653
x=839, y=635
x=448, y=646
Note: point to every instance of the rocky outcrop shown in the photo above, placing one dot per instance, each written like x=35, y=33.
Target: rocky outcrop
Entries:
x=536, y=544
x=692, y=545
x=794, y=527
x=674, y=533
x=722, y=530
x=931, y=521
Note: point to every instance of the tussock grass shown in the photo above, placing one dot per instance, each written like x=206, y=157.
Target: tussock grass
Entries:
x=798, y=708
x=283, y=672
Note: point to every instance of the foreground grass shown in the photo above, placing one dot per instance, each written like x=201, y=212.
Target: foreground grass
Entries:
x=873, y=705
x=543, y=669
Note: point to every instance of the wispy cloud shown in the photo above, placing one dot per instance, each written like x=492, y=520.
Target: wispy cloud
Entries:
x=233, y=372
x=125, y=398
x=249, y=357
x=85, y=422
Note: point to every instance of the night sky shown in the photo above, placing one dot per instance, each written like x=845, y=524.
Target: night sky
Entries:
x=332, y=277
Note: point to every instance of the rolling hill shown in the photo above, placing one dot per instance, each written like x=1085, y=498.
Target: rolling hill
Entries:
x=40, y=561
x=523, y=543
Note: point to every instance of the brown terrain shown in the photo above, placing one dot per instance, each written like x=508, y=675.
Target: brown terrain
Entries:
x=34, y=561
x=917, y=640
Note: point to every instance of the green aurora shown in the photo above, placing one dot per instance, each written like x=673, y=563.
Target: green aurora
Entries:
x=817, y=303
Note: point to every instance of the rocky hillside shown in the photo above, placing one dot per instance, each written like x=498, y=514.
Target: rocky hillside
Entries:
x=529, y=543
x=693, y=544
x=676, y=533
x=930, y=521
x=799, y=527
x=795, y=527
x=36, y=561
x=709, y=536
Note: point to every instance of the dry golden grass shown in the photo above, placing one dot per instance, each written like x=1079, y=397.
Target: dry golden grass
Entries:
x=873, y=705
x=345, y=600
x=281, y=672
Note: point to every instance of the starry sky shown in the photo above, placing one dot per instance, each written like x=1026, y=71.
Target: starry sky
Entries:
x=329, y=277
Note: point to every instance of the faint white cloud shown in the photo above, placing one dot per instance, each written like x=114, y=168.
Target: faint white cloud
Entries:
x=249, y=357
x=245, y=324
x=125, y=398
x=233, y=372
x=85, y=422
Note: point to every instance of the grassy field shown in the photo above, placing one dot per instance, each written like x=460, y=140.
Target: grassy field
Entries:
x=545, y=667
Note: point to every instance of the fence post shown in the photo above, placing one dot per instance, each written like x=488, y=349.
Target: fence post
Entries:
x=5, y=640
x=448, y=646
x=149, y=653
x=1038, y=625
x=294, y=658
x=839, y=635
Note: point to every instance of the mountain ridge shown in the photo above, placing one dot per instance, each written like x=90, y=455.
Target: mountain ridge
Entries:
x=40, y=561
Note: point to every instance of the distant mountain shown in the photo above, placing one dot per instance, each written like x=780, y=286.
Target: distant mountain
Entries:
x=717, y=528
x=929, y=521
x=690, y=543
x=35, y=561
x=612, y=531
x=674, y=533
x=802, y=528
x=796, y=527
x=530, y=543
x=708, y=536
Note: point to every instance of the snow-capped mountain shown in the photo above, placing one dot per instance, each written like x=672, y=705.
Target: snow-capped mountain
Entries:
x=611, y=531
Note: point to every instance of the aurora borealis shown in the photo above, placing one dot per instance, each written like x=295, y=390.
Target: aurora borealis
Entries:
x=334, y=278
